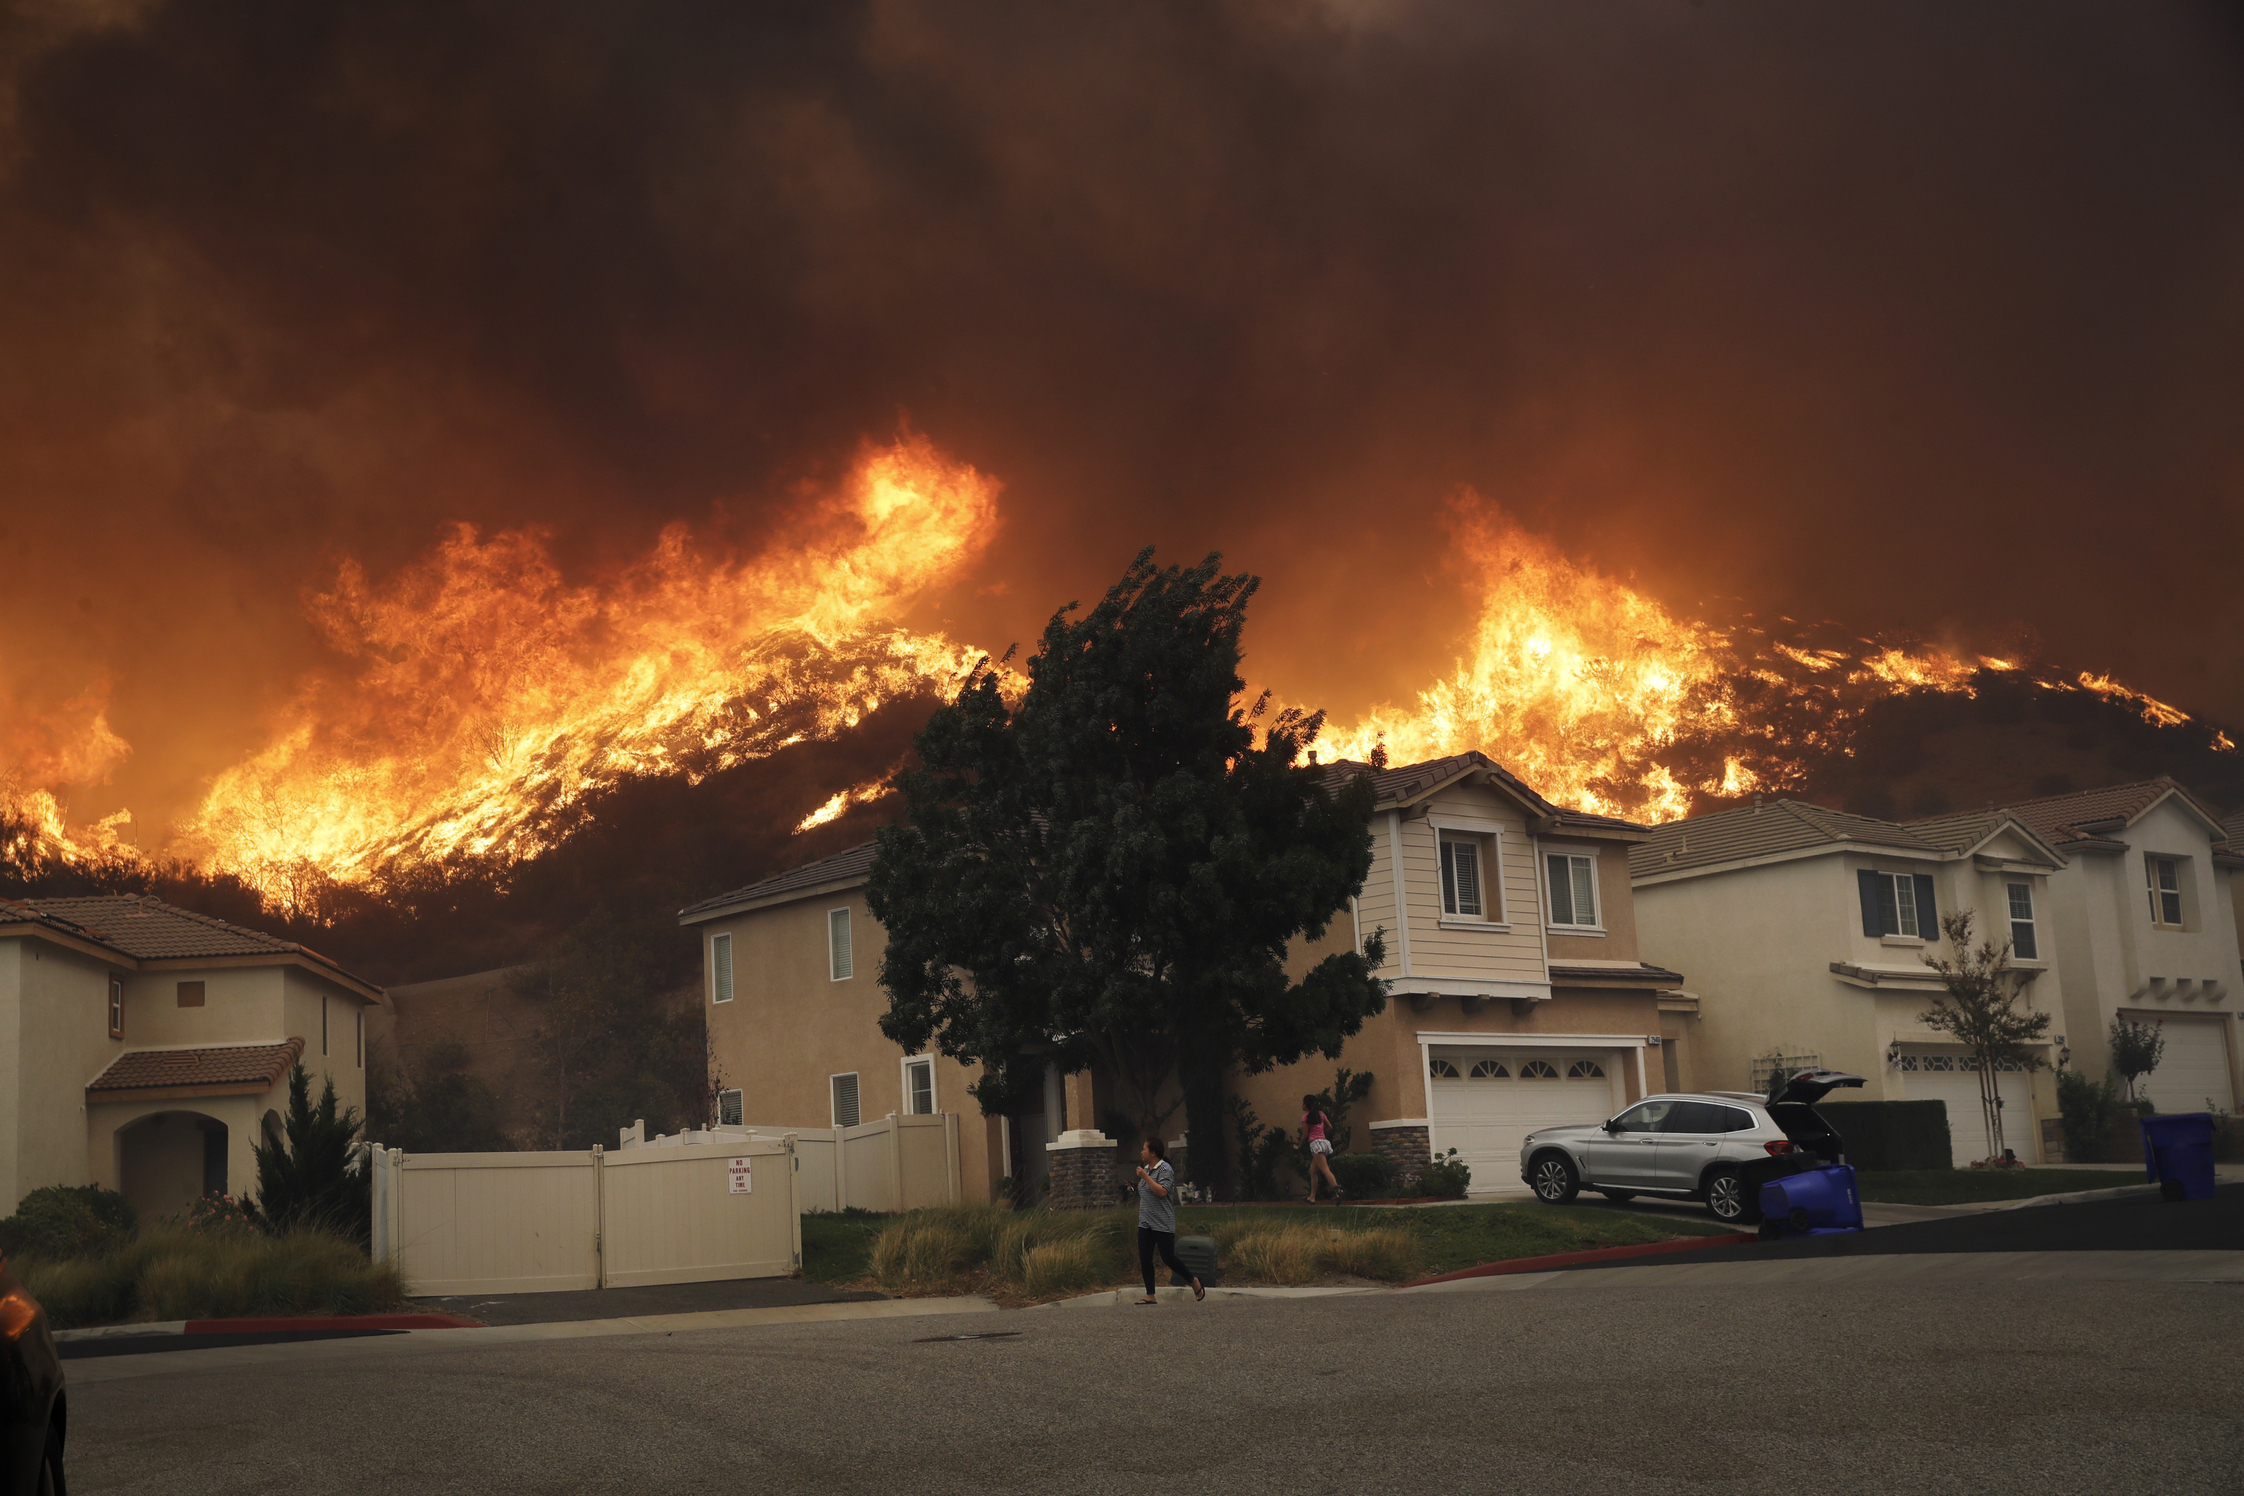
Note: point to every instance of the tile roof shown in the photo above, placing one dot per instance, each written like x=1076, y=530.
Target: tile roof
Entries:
x=1401, y=783
x=1769, y=829
x=256, y=1066
x=148, y=929
x=2059, y=819
x=1642, y=971
x=842, y=866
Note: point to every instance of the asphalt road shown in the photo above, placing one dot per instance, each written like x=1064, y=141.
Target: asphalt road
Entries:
x=1589, y=1383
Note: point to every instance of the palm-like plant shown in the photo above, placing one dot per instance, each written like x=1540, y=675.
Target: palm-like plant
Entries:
x=314, y=1174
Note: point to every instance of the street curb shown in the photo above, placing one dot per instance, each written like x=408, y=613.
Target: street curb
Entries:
x=330, y=1322
x=1594, y=1254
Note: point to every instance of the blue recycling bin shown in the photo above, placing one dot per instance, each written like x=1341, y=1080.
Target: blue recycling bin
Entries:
x=2178, y=1155
x=1813, y=1202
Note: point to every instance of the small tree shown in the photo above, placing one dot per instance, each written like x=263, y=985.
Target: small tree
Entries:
x=1335, y=1102
x=2137, y=1047
x=314, y=1174
x=1980, y=1008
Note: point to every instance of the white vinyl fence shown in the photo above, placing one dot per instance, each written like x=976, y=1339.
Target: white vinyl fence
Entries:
x=542, y=1222
x=895, y=1163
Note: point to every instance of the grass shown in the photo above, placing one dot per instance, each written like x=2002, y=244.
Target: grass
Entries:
x=1967, y=1186
x=1034, y=1256
x=177, y=1274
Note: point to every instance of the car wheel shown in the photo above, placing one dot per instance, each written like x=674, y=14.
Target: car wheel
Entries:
x=1726, y=1198
x=1554, y=1179
x=1617, y=1196
x=50, y=1468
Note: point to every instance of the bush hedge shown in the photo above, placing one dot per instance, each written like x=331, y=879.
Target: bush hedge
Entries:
x=1366, y=1176
x=1888, y=1135
x=68, y=1220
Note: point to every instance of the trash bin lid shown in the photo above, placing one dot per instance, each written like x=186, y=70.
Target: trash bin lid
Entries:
x=1810, y=1086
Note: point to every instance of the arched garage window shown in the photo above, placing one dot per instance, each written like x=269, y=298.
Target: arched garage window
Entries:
x=1441, y=1070
x=1490, y=1070
x=1585, y=1070
x=1538, y=1070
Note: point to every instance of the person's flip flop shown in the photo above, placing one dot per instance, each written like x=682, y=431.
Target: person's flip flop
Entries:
x=1199, y=1291
x=1141, y=1303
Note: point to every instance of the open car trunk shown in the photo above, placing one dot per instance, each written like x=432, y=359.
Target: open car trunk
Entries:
x=1792, y=1107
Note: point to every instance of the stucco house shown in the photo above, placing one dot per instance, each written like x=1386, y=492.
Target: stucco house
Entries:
x=1805, y=932
x=1517, y=998
x=2143, y=917
x=144, y=1047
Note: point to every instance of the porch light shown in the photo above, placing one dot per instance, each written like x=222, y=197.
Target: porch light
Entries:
x=1893, y=1055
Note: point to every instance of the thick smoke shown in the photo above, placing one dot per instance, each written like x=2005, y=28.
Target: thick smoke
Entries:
x=1917, y=316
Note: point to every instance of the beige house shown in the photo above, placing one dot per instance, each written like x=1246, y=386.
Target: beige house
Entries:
x=1805, y=932
x=143, y=1047
x=1517, y=999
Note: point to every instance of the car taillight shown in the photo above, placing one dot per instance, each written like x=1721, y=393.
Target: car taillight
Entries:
x=17, y=1311
x=1785, y=1146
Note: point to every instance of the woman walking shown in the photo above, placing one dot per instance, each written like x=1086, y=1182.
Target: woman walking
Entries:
x=1157, y=1217
x=1314, y=1121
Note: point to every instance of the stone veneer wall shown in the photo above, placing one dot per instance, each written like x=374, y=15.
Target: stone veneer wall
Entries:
x=1407, y=1150
x=1082, y=1172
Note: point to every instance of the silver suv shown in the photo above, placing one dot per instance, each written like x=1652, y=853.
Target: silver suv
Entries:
x=1715, y=1146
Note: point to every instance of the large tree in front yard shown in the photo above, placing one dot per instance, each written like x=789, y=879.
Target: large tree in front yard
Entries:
x=1980, y=1009
x=1112, y=871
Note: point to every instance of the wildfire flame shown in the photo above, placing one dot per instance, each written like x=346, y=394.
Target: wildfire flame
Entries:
x=490, y=694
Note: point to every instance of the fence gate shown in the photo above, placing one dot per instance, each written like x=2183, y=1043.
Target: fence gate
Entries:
x=458, y=1223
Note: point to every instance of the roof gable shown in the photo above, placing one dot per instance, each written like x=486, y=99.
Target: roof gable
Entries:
x=142, y=927
x=842, y=868
x=1767, y=830
x=2081, y=815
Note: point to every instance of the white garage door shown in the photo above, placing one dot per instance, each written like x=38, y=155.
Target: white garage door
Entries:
x=1947, y=1075
x=1484, y=1102
x=2194, y=1068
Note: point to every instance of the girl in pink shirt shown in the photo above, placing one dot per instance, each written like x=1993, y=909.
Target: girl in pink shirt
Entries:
x=1315, y=1123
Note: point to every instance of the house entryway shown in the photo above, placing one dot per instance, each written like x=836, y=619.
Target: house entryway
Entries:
x=2194, y=1069
x=165, y=1163
x=1484, y=1102
x=1946, y=1074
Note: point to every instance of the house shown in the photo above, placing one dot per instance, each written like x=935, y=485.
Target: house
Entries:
x=2144, y=917
x=145, y=1047
x=1517, y=999
x=1805, y=931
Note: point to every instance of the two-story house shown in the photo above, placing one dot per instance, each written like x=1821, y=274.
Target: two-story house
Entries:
x=1805, y=931
x=2143, y=917
x=1518, y=1000
x=146, y=1048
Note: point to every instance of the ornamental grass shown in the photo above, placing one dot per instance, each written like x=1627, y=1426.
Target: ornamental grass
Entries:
x=179, y=1274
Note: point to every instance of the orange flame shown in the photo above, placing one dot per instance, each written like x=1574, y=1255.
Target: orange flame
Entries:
x=491, y=694
x=2151, y=707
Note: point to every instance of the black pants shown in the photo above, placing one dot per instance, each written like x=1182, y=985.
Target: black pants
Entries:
x=1148, y=1240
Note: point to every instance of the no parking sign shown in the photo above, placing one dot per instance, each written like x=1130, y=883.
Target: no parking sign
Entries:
x=743, y=1180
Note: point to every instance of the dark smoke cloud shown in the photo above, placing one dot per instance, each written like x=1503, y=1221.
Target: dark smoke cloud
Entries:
x=1914, y=316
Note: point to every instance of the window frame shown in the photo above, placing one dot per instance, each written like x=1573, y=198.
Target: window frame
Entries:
x=192, y=994
x=1447, y=844
x=857, y=1097
x=116, y=1006
x=740, y=1108
x=2153, y=862
x=2011, y=893
x=1569, y=856
x=323, y=1025
x=925, y=1063
x=1487, y=841
x=358, y=1037
x=720, y=967
x=842, y=953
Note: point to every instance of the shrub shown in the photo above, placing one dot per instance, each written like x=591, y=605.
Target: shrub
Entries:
x=2090, y=1110
x=177, y=1274
x=921, y=1254
x=2137, y=1047
x=1291, y=1255
x=1445, y=1175
x=1262, y=1151
x=68, y=1220
x=1064, y=1266
x=1387, y=1253
x=1367, y=1176
x=1880, y=1136
x=1285, y=1256
x=319, y=1178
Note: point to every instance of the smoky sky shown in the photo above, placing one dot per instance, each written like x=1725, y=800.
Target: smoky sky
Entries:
x=1913, y=316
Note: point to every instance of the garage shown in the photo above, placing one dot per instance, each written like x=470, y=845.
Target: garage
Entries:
x=2194, y=1069
x=1484, y=1102
x=1947, y=1075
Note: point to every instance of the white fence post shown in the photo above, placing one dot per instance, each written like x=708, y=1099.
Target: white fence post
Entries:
x=599, y=1216
x=795, y=1184
x=950, y=1155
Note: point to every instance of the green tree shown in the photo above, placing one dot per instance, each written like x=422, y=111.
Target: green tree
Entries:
x=2137, y=1047
x=1112, y=872
x=1980, y=1008
x=314, y=1174
x=439, y=1105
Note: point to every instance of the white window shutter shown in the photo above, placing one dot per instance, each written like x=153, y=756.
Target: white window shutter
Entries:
x=845, y=1100
x=720, y=968
x=837, y=943
x=1585, y=890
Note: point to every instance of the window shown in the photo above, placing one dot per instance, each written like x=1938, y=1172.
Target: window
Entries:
x=116, y=1007
x=1538, y=1070
x=1490, y=1070
x=190, y=994
x=1573, y=889
x=837, y=943
x=919, y=1087
x=1441, y=1070
x=1643, y=1117
x=1898, y=904
x=845, y=1099
x=1460, y=877
x=728, y=1109
x=720, y=968
x=323, y=1023
x=1585, y=1070
x=2165, y=877
x=358, y=1039
x=2022, y=943
x=1706, y=1117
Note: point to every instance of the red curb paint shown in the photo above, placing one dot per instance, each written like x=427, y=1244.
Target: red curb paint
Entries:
x=332, y=1322
x=1595, y=1254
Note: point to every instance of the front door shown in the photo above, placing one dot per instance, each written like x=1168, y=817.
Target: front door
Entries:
x=1626, y=1154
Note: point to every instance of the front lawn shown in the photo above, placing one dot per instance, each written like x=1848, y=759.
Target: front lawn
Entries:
x=1970, y=1186
x=1034, y=1256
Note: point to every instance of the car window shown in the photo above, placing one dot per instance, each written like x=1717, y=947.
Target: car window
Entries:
x=1734, y=1120
x=1696, y=1116
x=1643, y=1117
